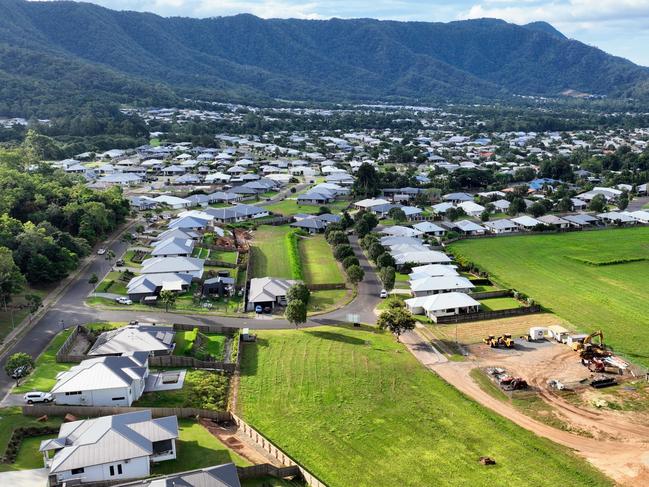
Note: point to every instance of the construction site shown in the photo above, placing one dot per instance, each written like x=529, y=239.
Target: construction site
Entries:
x=569, y=387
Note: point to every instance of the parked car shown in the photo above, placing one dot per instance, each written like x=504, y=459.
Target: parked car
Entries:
x=259, y=309
x=123, y=300
x=120, y=263
x=21, y=372
x=101, y=251
x=38, y=396
x=383, y=294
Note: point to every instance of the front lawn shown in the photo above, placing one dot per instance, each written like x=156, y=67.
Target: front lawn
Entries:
x=197, y=448
x=113, y=283
x=318, y=263
x=46, y=367
x=328, y=299
x=593, y=280
x=358, y=395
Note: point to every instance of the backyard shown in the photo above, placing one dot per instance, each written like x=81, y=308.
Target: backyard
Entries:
x=318, y=261
x=361, y=397
x=594, y=280
x=270, y=253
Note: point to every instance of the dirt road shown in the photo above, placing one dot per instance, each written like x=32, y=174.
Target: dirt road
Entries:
x=624, y=460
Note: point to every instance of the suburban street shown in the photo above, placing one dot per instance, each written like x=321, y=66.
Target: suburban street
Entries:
x=70, y=310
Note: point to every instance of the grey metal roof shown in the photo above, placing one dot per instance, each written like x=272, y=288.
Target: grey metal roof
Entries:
x=133, y=338
x=218, y=476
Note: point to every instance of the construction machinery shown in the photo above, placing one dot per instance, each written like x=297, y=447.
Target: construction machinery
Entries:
x=588, y=350
x=600, y=366
x=491, y=340
x=513, y=383
x=506, y=340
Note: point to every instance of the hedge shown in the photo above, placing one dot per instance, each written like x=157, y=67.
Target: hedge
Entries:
x=294, y=255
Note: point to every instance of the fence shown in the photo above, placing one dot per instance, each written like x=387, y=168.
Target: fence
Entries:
x=491, y=294
x=267, y=470
x=488, y=315
x=282, y=457
x=183, y=361
x=226, y=330
x=39, y=410
x=324, y=286
x=62, y=356
x=220, y=263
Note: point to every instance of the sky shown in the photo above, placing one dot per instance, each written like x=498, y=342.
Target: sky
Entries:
x=620, y=27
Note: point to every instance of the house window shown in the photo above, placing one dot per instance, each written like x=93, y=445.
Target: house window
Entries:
x=76, y=471
x=118, y=398
x=75, y=393
x=119, y=469
x=112, y=470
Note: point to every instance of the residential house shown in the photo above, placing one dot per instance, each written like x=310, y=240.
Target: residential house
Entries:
x=218, y=476
x=501, y=226
x=237, y=213
x=173, y=247
x=103, y=381
x=457, y=198
x=173, y=201
x=525, y=222
x=165, y=265
x=147, y=287
x=268, y=292
x=554, y=220
x=110, y=448
x=152, y=339
x=440, y=284
x=471, y=208
x=429, y=228
x=445, y=304
x=467, y=227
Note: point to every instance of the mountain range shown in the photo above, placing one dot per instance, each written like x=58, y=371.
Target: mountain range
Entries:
x=84, y=53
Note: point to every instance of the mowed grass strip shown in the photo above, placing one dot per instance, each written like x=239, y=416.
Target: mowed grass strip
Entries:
x=551, y=269
x=269, y=252
x=318, y=263
x=355, y=408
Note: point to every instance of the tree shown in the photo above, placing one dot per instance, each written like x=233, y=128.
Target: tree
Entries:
x=346, y=220
x=387, y=276
x=598, y=203
x=455, y=213
x=298, y=292
x=11, y=279
x=34, y=302
x=484, y=216
x=323, y=210
x=17, y=361
x=565, y=204
x=516, y=206
x=355, y=274
x=385, y=260
x=367, y=241
x=375, y=250
x=623, y=200
x=537, y=209
x=343, y=250
x=397, y=214
x=350, y=261
x=93, y=279
x=397, y=320
x=295, y=312
x=168, y=298
x=337, y=237
x=366, y=183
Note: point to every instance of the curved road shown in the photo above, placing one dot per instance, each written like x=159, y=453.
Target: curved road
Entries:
x=69, y=310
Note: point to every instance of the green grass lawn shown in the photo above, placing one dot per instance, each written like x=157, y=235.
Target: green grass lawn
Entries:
x=28, y=455
x=128, y=259
x=197, y=448
x=290, y=207
x=185, y=342
x=204, y=389
x=318, y=261
x=269, y=252
x=358, y=395
x=46, y=367
x=214, y=344
x=224, y=256
x=554, y=271
x=112, y=283
x=497, y=304
x=327, y=299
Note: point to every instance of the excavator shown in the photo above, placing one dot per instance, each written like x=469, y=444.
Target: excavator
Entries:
x=588, y=350
x=506, y=340
x=491, y=340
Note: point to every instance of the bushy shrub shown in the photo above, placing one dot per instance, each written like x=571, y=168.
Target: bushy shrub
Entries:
x=294, y=255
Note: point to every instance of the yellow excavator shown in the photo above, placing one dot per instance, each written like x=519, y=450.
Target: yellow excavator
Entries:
x=587, y=349
x=491, y=340
x=506, y=340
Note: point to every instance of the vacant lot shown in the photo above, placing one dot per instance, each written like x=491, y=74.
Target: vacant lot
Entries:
x=355, y=398
x=581, y=277
x=318, y=263
x=269, y=252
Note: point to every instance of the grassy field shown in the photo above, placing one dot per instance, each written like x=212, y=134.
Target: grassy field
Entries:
x=269, y=253
x=327, y=299
x=576, y=276
x=354, y=407
x=318, y=262
x=497, y=304
x=290, y=207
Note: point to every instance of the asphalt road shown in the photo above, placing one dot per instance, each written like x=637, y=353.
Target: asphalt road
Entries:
x=637, y=203
x=69, y=310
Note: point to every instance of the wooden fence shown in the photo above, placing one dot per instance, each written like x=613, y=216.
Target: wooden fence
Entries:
x=62, y=356
x=39, y=410
x=282, y=457
x=324, y=286
x=488, y=315
x=267, y=470
x=183, y=361
x=226, y=330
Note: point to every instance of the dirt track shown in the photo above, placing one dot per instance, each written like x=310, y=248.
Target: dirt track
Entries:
x=624, y=457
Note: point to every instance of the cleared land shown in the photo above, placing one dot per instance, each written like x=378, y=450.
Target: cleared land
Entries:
x=594, y=280
x=269, y=253
x=331, y=394
x=318, y=263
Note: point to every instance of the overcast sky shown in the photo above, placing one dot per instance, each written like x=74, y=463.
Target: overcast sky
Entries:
x=620, y=27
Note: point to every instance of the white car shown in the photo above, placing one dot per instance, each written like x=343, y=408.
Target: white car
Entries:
x=383, y=294
x=123, y=300
x=38, y=396
x=101, y=251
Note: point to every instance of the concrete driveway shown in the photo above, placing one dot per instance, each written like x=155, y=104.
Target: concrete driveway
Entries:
x=24, y=478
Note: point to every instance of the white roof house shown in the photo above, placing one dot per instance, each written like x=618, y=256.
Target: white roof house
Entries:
x=641, y=215
x=173, y=247
x=421, y=257
x=471, y=208
x=153, y=339
x=526, y=222
x=468, y=227
x=370, y=202
x=501, y=226
x=440, y=284
x=444, y=304
x=268, y=291
x=165, y=265
x=429, y=228
x=432, y=270
x=225, y=475
x=401, y=231
x=173, y=201
x=109, y=448
x=103, y=381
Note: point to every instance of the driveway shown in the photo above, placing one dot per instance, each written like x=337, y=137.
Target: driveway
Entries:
x=25, y=478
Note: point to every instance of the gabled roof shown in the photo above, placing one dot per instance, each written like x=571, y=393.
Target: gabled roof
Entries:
x=437, y=302
x=217, y=476
x=158, y=265
x=188, y=222
x=263, y=289
x=441, y=283
x=109, y=439
x=133, y=338
x=173, y=246
x=401, y=231
x=428, y=227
